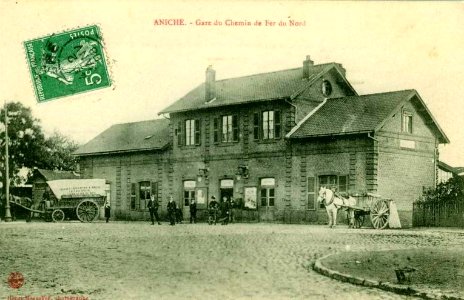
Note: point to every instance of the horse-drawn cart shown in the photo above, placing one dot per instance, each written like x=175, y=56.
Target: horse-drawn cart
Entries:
x=81, y=198
x=374, y=206
x=382, y=212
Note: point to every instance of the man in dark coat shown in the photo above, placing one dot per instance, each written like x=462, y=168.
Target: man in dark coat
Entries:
x=224, y=205
x=193, y=211
x=179, y=215
x=107, y=206
x=172, y=209
x=232, y=206
x=212, y=210
x=153, y=206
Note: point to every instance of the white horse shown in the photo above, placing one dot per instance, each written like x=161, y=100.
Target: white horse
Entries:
x=333, y=203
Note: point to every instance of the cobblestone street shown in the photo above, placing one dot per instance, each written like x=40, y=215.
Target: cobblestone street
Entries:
x=138, y=261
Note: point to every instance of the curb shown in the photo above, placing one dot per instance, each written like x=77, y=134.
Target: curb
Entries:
x=387, y=286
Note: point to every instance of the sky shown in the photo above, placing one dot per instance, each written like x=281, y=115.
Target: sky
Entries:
x=384, y=46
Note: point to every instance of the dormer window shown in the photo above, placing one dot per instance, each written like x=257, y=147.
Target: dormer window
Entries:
x=326, y=88
x=406, y=125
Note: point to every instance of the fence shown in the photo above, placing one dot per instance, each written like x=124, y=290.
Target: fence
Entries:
x=439, y=214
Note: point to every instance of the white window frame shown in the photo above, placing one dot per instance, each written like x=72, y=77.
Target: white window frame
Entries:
x=190, y=132
x=406, y=122
x=227, y=130
x=268, y=125
x=267, y=184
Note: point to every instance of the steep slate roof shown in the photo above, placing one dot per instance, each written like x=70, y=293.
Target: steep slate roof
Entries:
x=137, y=136
x=56, y=175
x=259, y=87
x=356, y=114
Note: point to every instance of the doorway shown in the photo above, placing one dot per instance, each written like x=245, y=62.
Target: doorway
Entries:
x=226, y=189
x=226, y=192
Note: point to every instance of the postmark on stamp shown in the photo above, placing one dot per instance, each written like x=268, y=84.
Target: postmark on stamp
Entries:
x=67, y=63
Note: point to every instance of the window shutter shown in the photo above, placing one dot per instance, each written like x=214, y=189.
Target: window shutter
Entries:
x=256, y=126
x=343, y=183
x=197, y=132
x=216, y=130
x=180, y=134
x=154, y=189
x=133, y=196
x=311, y=193
x=235, y=128
x=133, y=189
x=277, y=124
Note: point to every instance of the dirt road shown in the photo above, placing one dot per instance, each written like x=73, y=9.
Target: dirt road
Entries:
x=135, y=260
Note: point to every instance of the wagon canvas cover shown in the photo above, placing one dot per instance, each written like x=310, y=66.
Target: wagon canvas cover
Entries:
x=77, y=187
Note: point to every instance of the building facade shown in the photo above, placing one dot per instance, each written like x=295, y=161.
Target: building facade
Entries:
x=269, y=141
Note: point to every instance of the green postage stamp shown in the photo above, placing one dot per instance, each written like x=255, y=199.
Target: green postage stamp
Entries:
x=67, y=63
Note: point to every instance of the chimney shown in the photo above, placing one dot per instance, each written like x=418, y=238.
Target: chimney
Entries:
x=306, y=64
x=210, y=84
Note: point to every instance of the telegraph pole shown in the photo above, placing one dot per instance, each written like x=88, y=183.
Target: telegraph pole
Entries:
x=7, y=171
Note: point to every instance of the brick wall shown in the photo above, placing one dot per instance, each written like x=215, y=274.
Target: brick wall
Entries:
x=341, y=156
x=403, y=172
x=122, y=170
x=246, y=142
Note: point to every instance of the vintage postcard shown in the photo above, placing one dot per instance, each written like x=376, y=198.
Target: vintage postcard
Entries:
x=233, y=149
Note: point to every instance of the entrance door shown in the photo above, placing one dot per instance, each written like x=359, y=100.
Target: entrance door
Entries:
x=226, y=193
x=189, y=195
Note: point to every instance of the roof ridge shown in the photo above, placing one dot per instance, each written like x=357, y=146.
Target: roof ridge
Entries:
x=302, y=121
x=134, y=122
x=380, y=93
x=277, y=71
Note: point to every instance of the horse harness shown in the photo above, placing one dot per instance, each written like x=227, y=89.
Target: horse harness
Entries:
x=331, y=199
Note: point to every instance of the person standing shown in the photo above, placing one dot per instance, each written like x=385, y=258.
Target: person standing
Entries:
x=46, y=198
x=224, y=205
x=153, y=206
x=232, y=206
x=172, y=209
x=212, y=209
x=193, y=211
x=107, y=206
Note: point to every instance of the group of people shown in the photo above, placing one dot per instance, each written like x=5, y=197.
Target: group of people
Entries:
x=221, y=211
x=218, y=211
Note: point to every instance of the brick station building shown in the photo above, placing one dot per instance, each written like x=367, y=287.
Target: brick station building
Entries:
x=270, y=141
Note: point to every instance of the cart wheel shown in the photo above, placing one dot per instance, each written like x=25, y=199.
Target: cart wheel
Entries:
x=379, y=214
x=358, y=220
x=57, y=215
x=87, y=210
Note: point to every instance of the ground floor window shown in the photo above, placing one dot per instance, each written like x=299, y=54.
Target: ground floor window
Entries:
x=141, y=193
x=267, y=192
x=189, y=191
x=144, y=193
